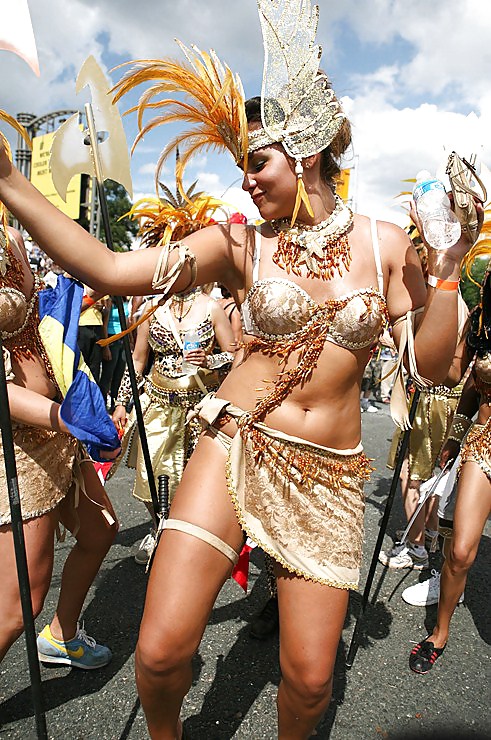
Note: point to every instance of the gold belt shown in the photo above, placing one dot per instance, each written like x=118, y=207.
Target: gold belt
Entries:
x=175, y=396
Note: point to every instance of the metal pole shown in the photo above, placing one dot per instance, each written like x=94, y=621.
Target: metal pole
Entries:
x=20, y=554
x=355, y=640
x=122, y=318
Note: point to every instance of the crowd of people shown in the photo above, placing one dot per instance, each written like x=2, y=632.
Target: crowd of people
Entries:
x=277, y=456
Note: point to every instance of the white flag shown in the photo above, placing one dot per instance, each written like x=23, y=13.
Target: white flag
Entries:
x=16, y=32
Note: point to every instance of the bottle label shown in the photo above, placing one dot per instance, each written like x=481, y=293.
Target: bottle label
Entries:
x=426, y=186
x=188, y=346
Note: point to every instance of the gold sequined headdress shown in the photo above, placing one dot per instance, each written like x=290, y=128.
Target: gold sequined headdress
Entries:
x=173, y=216
x=298, y=106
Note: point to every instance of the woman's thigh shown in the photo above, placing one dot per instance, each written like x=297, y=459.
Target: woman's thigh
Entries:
x=472, y=508
x=187, y=573
x=311, y=622
x=39, y=544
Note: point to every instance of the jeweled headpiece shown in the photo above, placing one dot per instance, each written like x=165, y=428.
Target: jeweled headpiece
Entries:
x=298, y=106
x=4, y=116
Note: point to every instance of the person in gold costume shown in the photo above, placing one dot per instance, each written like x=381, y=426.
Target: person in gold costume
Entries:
x=280, y=458
x=58, y=484
x=473, y=500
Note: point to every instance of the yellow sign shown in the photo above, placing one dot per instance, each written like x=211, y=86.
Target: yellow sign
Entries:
x=342, y=184
x=41, y=178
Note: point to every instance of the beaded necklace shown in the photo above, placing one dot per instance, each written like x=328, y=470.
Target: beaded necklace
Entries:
x=321, y=249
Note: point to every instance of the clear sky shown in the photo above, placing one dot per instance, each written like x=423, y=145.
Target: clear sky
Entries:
x=408, y=75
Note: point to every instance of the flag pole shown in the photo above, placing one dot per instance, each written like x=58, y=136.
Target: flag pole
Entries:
x=99, y=176
x=355, y=640
x=20, y=554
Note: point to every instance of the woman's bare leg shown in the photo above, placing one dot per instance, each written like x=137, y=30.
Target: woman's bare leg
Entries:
x=39, y=539
x=93, y=540
x=410, y=499
x=187, y=575
x=472, y=508
x=311, y=622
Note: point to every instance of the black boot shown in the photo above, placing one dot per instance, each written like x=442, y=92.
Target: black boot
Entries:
x=266, y=623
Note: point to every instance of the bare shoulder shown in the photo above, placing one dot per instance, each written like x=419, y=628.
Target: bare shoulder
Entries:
x=395, y=244
x=17, y=238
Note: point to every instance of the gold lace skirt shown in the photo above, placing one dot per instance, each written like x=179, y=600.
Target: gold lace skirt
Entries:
x=303, y=504
x=45, y=469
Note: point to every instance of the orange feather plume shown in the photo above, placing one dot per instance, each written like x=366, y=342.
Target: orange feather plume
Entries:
x=4, y=116
x=213, y=107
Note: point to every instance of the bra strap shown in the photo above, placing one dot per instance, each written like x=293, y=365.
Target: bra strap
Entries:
x=376, y=254
x=257, y=255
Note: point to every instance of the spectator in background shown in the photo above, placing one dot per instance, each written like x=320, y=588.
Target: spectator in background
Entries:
x=370, y=384
x=113, y=366
x=92, y=327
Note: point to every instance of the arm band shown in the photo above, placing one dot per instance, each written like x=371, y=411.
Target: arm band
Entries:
x=125, y=393
x=459, y=428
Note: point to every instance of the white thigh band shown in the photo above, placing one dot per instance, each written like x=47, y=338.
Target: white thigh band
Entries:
x=204, y=535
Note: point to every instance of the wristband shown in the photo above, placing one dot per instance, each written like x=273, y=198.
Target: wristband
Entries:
x=440, y=284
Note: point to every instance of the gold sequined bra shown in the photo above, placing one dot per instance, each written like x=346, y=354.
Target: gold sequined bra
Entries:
x=277, y=309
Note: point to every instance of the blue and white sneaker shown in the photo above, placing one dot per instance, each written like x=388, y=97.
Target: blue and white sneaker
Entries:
x=80, y=652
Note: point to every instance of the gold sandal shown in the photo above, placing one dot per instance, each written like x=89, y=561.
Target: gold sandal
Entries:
x=464, y=195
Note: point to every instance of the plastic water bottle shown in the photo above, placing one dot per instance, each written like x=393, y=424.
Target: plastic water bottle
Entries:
x=190, y=341
x=441, y=228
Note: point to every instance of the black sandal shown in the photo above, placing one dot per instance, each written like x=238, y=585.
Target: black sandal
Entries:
x=423, y=656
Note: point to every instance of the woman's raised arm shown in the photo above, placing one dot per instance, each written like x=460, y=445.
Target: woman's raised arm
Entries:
x=437, y=323
x=83, y=256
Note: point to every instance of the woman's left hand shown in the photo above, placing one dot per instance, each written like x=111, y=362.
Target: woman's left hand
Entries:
x=458, y=251
x=197, y=357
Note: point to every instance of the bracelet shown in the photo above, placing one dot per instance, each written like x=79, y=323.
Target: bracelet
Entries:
x=440, y=284
x=219, y=360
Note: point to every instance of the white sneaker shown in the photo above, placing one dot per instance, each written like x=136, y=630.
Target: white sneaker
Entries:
x=145, y=548
x=431, y=539
x=403, y=555
x=372, y=409
x=425, y=593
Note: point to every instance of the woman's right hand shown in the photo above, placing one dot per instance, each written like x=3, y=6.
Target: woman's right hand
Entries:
x=119, y=417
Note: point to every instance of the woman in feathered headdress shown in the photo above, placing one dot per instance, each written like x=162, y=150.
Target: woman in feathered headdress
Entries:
x=280, y=458
x=172, y=388
x=465, y=515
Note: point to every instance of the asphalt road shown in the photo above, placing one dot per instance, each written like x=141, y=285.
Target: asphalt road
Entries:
x=233, y=694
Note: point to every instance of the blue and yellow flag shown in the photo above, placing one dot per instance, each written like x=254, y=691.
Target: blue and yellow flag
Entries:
x=83, y=409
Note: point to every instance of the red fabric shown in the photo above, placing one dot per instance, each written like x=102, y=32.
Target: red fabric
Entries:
x=241, y=571
x=237, y=218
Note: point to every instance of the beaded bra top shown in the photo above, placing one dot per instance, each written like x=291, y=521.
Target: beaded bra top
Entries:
x=168, y=354
x=278, y=309
x=19, y=317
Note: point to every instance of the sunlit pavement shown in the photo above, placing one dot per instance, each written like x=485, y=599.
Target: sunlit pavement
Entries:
x=233, y=695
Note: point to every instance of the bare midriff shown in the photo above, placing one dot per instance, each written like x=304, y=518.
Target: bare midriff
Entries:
x=324, y=411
